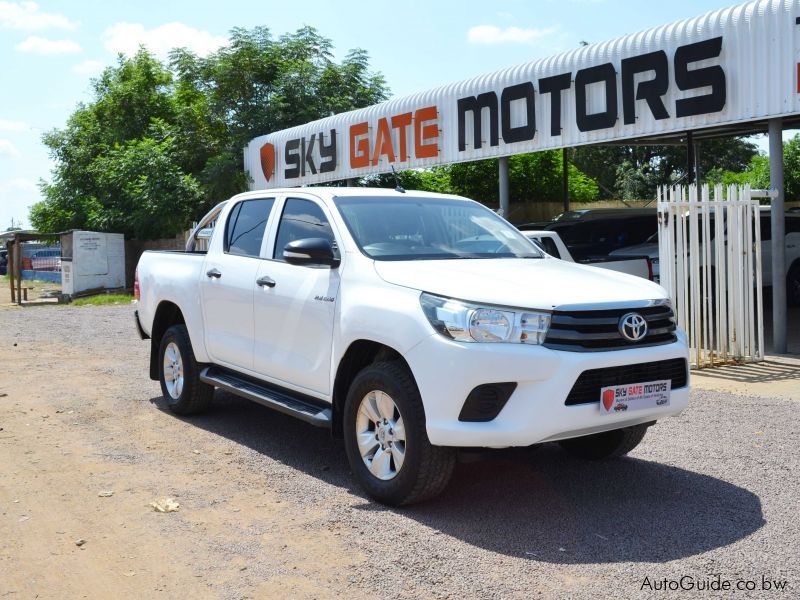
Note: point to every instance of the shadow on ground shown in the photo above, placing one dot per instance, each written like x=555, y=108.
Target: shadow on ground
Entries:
x=767, y=370
x=534, y=503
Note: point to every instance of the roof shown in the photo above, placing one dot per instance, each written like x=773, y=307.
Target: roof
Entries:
x=726, y=72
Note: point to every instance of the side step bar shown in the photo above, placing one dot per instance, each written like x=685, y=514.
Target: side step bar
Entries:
x=281, y=400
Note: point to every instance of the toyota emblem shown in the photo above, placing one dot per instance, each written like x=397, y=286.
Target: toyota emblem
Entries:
x=633, y=327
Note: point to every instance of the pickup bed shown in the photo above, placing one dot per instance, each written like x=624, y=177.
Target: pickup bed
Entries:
x=412, y=325
x=550, y=242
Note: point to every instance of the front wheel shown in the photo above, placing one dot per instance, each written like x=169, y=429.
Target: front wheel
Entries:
x=180, y=374
x=609, y=444
x=386, y=441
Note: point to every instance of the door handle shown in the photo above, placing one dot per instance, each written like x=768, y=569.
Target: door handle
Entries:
x=265, y=281
x=215, y=273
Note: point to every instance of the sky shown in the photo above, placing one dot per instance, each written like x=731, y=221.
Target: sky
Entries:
x=50, y=50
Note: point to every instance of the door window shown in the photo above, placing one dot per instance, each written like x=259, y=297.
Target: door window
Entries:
x=302, y=219
x=246, y=224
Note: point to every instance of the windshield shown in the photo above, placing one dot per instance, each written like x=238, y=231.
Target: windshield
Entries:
x=430, y=228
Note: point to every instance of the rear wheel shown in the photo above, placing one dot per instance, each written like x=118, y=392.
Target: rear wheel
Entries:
x=386, y=441
x=609, y=444
x=180, y=374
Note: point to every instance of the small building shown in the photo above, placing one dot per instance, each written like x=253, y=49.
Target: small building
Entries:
x=91, y=261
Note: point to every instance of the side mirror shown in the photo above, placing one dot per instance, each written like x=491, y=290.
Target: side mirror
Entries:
x=310, y=251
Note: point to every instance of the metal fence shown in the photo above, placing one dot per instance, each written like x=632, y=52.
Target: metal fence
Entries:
x=710, y=262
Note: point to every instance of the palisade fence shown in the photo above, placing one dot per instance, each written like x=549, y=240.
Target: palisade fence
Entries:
x=709, y=243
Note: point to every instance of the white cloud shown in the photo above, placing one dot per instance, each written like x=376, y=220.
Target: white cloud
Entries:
x=88, y=67
x=490, y=34
x=39, y=45
x=18, y=184
x=6, y=125
x=8, y=149
x=18, y=195
x=126, y=38
x=26, y=16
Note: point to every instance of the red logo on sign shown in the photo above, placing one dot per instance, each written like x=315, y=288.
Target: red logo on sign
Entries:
x=608, y=399
x=268, y=160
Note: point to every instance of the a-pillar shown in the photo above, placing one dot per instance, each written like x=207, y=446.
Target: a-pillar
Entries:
x=778, y=238
x=502, y=177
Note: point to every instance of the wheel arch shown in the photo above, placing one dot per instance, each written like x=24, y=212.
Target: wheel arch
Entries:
x=361, y=353
x=167, y=314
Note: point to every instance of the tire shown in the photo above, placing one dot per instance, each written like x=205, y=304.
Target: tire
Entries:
x=184, y=394
x=606, y=445
x=793, y=285
x=424, y=470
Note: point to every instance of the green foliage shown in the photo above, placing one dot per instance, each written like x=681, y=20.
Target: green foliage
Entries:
x=756, y=173
x=103, y=299
x=791, y=168
x=636, y=172
x=532, y=177
x=158, y=144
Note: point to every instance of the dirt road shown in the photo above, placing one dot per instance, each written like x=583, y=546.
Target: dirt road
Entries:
x=268, y=509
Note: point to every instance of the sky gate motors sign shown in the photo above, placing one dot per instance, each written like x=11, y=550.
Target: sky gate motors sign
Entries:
x=697, y=73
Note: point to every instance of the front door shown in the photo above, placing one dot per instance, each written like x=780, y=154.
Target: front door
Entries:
x=295, y=308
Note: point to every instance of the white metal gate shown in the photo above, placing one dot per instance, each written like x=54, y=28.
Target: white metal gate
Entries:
x=709, y=243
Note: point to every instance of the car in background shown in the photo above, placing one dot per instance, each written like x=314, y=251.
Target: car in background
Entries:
x=47, y=259
x=649, y=248
x=598, y=238
x=551, y=243
x=571, y=217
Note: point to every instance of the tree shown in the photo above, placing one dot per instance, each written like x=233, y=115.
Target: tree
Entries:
x=636, y=172
x=756, y=172
x=159, y=144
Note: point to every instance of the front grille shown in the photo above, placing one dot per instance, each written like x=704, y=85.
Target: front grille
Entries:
x=597, y=330
x=587, y=389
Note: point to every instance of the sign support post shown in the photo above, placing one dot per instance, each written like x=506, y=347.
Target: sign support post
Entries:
x=502, y=165
x=779, y=324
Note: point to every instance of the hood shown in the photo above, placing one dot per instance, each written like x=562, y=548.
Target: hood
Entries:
x=542, y=283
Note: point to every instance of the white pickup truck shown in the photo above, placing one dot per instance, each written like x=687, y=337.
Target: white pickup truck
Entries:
x=411, y=324
x=551, y=242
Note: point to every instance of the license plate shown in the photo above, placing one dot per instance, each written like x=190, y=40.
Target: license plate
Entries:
x=634, y=396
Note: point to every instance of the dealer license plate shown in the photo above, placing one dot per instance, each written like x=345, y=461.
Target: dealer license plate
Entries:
x=634, y=396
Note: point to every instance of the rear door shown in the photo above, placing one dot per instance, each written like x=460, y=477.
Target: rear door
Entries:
x=229, y=282
x=294, y=314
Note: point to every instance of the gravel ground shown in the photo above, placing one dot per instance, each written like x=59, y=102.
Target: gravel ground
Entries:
x=268, y=507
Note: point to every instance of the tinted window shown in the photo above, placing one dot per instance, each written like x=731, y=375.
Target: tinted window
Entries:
x=550, y=246
x=302, y=219
x=792, y=224
x=246, y=224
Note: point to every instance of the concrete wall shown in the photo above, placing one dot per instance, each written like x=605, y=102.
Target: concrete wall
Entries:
x=134, y=249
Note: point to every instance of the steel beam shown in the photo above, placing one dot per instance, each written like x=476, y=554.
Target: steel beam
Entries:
x=502, y=177
x=779, y=325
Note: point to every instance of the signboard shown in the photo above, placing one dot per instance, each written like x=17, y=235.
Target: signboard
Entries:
x=89, y=253
x=728, y=66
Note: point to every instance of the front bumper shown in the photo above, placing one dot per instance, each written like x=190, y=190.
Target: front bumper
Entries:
x=447, y=371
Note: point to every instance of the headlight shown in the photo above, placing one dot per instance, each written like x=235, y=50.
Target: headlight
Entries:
x=465, y=322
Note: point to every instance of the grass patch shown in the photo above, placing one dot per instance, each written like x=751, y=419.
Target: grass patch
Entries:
x=102, y=299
